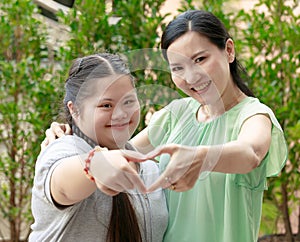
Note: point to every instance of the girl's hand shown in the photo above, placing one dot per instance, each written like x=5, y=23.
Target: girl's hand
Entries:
x=114, y=173
x=183, y=169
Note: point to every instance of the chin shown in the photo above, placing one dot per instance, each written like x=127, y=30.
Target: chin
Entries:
x=119, y=143
x=118, y=146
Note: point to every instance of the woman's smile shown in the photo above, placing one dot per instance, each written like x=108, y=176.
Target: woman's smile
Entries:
x=203, y=87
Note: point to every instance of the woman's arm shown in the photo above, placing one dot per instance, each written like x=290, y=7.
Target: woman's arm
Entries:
x=239, y=156
x=251, y=147
x=141, y=142
x=111, y=170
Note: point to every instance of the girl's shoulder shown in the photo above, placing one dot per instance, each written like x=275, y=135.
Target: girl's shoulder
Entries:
x=68, y=145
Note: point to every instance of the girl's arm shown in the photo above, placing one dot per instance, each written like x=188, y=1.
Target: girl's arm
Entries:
x=113, y=173
x=239, y=156
x=69, y=184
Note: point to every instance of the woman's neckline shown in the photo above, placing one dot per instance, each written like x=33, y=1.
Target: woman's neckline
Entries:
x=229, y=109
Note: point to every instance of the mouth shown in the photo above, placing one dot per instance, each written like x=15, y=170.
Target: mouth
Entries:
x=119, y=126
x=201, y=87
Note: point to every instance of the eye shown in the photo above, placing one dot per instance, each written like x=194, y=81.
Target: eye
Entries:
x=199, y=59
x=176, y=68
x=105, y=105
x=130, y=101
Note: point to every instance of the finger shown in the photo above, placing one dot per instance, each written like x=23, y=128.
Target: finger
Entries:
x=122, y=182
x=159, y=183
x=177, y=188
x=131, y=173
x=120, y=178
x=50, y=135
x=57, y=129
x=107, y=190
x=68, y=129
x=166, y=149
x=134, y=156
x=136, y=180
x=44, y=143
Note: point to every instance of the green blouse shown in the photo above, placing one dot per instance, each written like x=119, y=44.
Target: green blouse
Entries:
x=220, y=207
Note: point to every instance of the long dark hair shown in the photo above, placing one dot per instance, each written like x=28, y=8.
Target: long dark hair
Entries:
x=210, y=26
x=123, y=224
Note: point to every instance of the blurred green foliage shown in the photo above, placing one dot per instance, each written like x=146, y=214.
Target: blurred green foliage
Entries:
x=26, y=106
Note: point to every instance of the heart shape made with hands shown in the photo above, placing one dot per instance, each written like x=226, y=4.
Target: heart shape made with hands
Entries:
x=182, y=171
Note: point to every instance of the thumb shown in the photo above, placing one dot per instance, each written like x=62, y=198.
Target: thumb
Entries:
x=164, y=149
x=134, y=156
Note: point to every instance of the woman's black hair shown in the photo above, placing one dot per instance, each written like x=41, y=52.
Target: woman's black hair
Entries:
x=207, y=24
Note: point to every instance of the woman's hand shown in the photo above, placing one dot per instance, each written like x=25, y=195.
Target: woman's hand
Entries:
x=55, y=131
x=183, y=169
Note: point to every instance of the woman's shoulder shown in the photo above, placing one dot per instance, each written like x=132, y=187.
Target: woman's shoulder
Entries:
x=253, y=103
x=253, y=106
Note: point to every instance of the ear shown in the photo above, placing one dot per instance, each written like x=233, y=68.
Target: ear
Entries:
x=229, y=49
x=72, y=109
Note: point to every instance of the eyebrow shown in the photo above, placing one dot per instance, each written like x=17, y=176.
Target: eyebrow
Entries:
x=192, y=57
x=105, y=99
x=110, y=99
x=201, y=52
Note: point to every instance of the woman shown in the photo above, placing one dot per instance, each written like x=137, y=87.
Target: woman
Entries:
x=222, y=142
x=86, y=194
x=220, y=128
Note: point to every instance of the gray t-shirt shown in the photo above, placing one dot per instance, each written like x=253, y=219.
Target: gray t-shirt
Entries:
x=88, y=220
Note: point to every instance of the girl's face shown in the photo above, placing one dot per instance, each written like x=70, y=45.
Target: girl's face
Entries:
x=111, y=114
x=200, y=69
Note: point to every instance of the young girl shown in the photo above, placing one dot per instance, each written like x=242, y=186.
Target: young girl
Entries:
x=83, y=193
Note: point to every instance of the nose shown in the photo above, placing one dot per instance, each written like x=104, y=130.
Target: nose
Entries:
x=193, y=74
x=119, y=113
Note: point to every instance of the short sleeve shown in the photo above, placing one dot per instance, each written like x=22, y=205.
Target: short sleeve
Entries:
x=278, y=152
x=48, y=160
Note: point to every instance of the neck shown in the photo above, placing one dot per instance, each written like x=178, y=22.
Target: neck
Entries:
x=76, y=130
x=209, y=112
x=79, y=133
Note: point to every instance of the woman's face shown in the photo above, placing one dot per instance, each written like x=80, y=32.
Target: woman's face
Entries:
x=200, y=69
x=111, y=115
